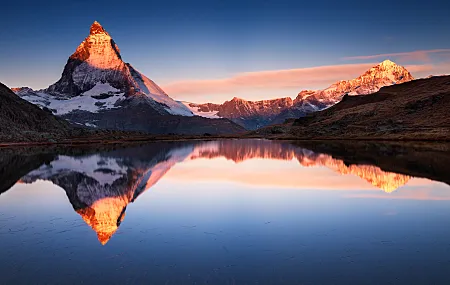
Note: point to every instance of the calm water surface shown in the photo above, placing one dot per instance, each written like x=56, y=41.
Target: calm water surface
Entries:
x=217, y=212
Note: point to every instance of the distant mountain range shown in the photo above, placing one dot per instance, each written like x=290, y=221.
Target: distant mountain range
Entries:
x=256, y=114
x=98, y=89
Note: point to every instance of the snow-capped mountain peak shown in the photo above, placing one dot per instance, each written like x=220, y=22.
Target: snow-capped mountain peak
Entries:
x=96, y=79
x=383, y=74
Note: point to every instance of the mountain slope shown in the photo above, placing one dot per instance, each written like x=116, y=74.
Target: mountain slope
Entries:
x=98, y=89
x=413, y=110
x=22, y=121
x=256, y=114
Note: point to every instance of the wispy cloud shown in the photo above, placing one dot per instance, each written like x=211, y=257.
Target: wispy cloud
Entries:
x=273, y=79
x=301, y=78
x=418, y=55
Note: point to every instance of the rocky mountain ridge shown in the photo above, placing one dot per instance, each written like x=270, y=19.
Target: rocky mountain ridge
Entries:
x=255, y=114
x=249, y=114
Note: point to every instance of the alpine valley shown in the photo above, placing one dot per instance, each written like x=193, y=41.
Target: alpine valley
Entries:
x=98, y=89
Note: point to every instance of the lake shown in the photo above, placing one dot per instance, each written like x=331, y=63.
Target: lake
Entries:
x=226, y=212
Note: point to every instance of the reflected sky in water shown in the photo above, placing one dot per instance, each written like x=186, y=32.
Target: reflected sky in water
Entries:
x=220, y=212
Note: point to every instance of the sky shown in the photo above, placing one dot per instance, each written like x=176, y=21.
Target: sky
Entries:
x=212, y=51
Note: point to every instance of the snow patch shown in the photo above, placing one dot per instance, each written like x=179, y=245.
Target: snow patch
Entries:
x=153, y=91
x=89, y=101
x=196, y=111
x=101, y=88
x=89, y=165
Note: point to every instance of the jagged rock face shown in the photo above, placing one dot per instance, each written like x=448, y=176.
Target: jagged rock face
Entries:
x=96, y=59
x=240, y=108
x=253, y=115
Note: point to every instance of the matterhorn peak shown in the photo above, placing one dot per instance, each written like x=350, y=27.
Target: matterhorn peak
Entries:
x=96, y=68
x=96, y=28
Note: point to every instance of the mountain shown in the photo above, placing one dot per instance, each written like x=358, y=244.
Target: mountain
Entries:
x=249, y=114
x=23, y=121
x=255, y=114
x=415, y=110
x=384, y=74
x=98, y=89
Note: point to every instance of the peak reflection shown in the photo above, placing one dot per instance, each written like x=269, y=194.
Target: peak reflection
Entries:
x=239, y=152
x=100, y=186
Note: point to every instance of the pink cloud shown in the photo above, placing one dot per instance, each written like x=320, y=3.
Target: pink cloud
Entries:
x=273, y=79
x=299, y=79
x=419, y=55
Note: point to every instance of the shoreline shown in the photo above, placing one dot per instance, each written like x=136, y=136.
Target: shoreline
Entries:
x=80, y=142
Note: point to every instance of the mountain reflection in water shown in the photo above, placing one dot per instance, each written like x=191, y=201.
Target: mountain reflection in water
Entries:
x=102, y=184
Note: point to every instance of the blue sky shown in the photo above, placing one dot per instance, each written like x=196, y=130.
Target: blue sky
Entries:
x=186, y=42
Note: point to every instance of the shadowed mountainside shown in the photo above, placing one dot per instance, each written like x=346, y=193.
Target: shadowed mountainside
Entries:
x=21, y=120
